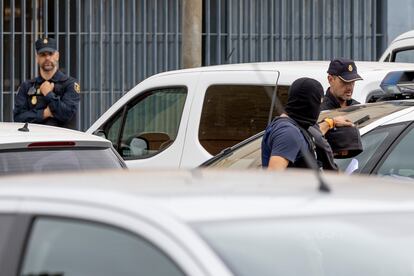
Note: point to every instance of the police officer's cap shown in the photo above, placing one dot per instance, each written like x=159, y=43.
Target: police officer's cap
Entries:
x=345, y=139
x=345, y=69
x=45, y=45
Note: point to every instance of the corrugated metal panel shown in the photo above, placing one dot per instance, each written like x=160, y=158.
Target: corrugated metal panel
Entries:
x=110, y=45
x=292, y=29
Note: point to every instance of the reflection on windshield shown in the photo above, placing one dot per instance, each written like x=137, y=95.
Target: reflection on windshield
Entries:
x=342, y=245
x=249, y=155
x=374, y=111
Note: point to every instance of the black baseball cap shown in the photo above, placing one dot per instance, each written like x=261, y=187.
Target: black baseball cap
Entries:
x=45, y=45
x=345, y=139
x=345, y=69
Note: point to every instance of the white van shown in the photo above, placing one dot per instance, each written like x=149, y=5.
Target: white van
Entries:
x=182, y=118
x=401, y=49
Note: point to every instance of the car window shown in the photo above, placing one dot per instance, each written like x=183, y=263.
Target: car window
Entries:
x=43, y=160
x=400, y=161
x=373, y=143
x=150, y=123
x=247, y=156
x=80, y=248
x=357, y=245
x=232, y=113
x=406, y=55
x=6, y=228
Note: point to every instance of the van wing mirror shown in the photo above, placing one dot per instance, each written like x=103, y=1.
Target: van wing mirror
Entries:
x=100, y=133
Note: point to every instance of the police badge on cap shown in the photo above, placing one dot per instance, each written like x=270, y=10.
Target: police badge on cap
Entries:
x=45, y=45
x=345, y=69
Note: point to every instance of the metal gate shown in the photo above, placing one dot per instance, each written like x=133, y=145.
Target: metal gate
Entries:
x=268, y=30
x=111, y=45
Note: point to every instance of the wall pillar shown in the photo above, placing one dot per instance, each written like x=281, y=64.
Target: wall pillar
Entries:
x=191, y=33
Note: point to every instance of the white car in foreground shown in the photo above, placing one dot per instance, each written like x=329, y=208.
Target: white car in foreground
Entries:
x=205, y=223
x=26, y=148
x=182, y=118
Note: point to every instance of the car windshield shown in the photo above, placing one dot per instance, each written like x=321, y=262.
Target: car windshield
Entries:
x=41, y=160
x=358, y=245
x=248, y=155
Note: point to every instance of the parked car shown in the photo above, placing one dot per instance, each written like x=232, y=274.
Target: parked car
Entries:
x=401, y=49
x=204, y=223
x=40, y=148
x=182, y=118
x=387, y=131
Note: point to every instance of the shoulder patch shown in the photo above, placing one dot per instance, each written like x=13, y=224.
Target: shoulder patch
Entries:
x=76, y=86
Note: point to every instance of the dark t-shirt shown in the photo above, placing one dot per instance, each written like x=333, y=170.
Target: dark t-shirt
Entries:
x=282, y=138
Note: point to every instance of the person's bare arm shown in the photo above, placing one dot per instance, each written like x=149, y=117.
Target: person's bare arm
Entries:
x=339, y=121
x=277, y=163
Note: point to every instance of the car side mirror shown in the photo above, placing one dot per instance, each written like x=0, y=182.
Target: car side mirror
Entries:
x=138, y=146
x=100, y=133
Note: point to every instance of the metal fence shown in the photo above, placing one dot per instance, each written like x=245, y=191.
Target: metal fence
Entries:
x=111, y=45
x=263, y=30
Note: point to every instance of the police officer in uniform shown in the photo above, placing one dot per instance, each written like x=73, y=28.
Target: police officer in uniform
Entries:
x=342, y=74
x=52, y=98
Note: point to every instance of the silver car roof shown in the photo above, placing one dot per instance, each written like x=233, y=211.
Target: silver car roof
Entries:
x=205, y=195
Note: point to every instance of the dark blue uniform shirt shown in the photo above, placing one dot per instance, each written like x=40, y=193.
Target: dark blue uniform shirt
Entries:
x=63, y=102
x=282, y=138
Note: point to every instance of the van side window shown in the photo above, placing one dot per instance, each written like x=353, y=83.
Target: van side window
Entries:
x=74, y=247
x=232, y=113
x=149, y=124
x=405, y=55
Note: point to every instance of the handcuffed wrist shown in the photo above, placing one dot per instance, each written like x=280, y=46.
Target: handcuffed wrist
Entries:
x=330, y=122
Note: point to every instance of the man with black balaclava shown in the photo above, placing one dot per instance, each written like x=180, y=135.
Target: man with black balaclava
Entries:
x=287, y=135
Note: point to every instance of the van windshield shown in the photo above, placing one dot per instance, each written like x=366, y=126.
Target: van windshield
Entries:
x=41, y=160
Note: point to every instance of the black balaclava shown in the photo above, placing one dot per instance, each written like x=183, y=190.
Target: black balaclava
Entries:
x=304, y=100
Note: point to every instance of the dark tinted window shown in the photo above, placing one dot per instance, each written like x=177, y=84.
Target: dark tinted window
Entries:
x=80, y=248
x=57, y=160
x=232, y=113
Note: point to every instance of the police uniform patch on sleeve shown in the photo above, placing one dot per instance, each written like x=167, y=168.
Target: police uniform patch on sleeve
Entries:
x=77, y=87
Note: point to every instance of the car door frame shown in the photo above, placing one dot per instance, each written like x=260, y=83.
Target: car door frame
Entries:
x=10, y=261
x=389, y=149
x=194, y=153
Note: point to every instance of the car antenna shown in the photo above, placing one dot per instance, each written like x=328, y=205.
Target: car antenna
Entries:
x=310, y=161
x=229, y=55
x=25, y=128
